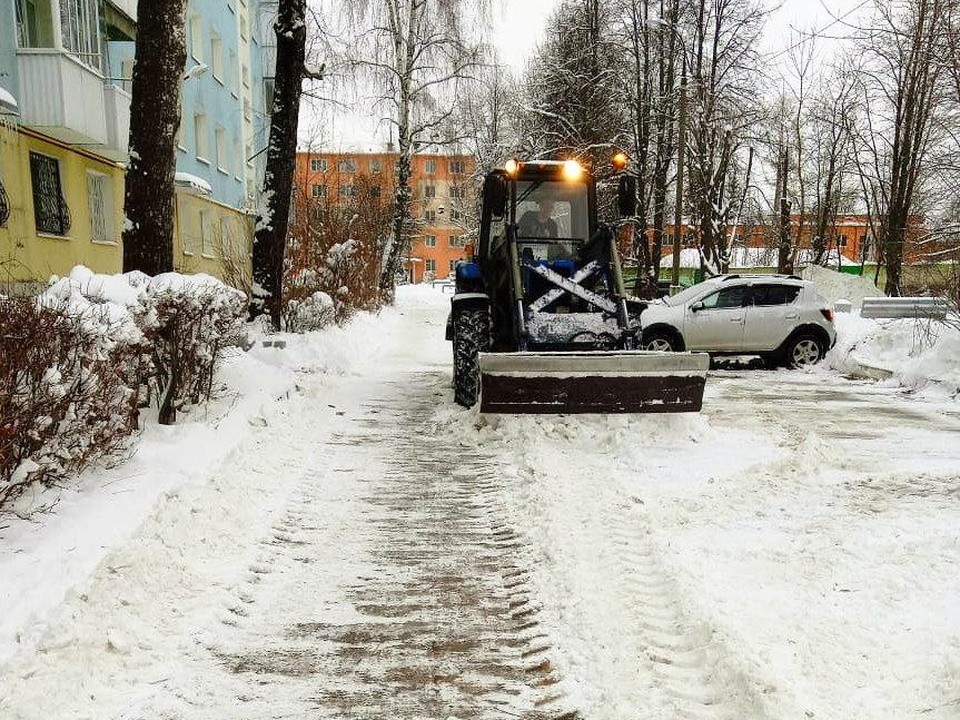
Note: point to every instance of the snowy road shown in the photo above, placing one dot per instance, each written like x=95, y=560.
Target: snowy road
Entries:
x=375, y=552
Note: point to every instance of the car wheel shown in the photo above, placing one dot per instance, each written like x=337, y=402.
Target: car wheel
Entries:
x=660, y=342
x=804, y=350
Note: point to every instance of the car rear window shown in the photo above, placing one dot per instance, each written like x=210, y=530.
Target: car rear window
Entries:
x=766, y=295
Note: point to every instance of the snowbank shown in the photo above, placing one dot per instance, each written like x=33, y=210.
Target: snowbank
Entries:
x=916, y=353
x=42, y=561
x=834, y=286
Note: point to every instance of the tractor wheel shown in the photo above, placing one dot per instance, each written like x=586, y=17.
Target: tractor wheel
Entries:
x=471, y=335
x=804, y=350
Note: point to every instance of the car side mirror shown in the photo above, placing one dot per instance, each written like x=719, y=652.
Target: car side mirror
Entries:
x=696, y=306
x=627, y=196
x=496, y=191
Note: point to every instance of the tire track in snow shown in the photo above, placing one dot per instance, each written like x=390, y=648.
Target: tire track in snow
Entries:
x=442, y=621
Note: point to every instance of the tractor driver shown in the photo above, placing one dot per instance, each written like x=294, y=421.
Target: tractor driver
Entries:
x=539, y=223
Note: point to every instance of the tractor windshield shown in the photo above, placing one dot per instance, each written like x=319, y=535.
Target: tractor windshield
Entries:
x=552, y=219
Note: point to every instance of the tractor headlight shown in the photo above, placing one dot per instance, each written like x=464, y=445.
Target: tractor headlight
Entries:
x=512, y=167
x=572, y=170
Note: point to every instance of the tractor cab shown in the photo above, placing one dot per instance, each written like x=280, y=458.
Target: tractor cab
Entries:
x=540, y=317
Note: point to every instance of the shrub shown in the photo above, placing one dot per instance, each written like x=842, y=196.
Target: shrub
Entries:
x=65, y=397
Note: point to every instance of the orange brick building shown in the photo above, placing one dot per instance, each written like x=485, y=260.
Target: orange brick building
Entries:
x=850, y=236
x=444, y=199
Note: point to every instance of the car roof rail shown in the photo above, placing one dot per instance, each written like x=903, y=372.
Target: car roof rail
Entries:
x=730, y=277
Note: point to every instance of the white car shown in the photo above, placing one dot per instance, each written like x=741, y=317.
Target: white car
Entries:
x=780, y=318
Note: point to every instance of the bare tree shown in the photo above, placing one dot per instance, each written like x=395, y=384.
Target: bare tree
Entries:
x=419, y=53
x=724, y=65
x=904, y=82
x=154, y=121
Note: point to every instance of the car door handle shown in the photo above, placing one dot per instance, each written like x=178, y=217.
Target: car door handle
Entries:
x=792, y=316
x=737, y=319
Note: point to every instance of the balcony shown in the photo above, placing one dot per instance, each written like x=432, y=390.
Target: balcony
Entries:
x=70, y=101
x=62, y=97
x=117, y=104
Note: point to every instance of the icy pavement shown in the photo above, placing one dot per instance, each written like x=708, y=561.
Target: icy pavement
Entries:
x=372, y=551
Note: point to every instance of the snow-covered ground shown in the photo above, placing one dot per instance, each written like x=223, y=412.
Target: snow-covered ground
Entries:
x=335, y=539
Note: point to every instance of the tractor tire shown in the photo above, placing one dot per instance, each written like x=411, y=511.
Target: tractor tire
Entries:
x=471, y=336
x=804, y=350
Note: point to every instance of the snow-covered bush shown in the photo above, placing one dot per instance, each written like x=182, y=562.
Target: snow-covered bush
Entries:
x=335, y=249
x=313, y=312
x=65, y=394
x=76, y=361
x=191, y=322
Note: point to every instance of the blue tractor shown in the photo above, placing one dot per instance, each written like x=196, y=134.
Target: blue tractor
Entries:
x=540, y=320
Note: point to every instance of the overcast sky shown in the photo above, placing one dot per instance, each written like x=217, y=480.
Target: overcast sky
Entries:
x=517, y=28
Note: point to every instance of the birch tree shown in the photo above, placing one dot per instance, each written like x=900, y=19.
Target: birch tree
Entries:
x=419, y=53
x=154, y=122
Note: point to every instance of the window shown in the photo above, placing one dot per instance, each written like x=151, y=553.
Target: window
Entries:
x=347, y=166
x=206, y=234
x=453, y=265
x=269, y=86
x=226, y=237
x=80, y=30
x=100, y=201
x=126, y=75
x=347, y=191
x=49, y=206
x=232, y=73
x=457, y=167
x=457, y=241
x=375, y=166
x=318, y=164
x=456, y=192
x=430, y=191
x=731, y=297
x=34, y=24
x=430, y=167
x=430, y=216
x=200, y=136
x=841, y=240
x=216, y=57
x=431, y=266
x=430, y=241
x=318, y=191
x=222, y=155
x=196, y=38
x=767, y=295
x=456, y=215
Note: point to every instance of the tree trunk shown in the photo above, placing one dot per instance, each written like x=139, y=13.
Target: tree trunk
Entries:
x=154, y=121
x=269, y=242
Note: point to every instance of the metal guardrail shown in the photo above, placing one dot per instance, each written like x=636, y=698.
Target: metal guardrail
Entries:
x=904, y=307
x=443, y=285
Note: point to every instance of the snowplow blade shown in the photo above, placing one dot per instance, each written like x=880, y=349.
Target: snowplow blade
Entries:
x=592, y=382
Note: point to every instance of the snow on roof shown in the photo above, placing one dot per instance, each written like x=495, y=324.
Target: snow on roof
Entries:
x=7, y=101
x=192, y=182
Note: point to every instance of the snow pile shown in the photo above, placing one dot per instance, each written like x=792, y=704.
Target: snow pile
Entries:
x=917, y=353
x=834, y=286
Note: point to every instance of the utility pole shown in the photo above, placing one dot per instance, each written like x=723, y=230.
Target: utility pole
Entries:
x=681, y=153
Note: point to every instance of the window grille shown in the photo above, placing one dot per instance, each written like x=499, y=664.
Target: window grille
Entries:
x=98, y=197
x=4, y=206
x=49, y=206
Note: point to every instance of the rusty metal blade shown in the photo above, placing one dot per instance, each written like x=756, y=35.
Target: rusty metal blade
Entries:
x=592, y=382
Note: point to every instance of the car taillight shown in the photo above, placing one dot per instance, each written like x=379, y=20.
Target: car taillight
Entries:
x=828, y=314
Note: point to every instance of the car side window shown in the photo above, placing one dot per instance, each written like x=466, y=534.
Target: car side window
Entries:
x=769, y=295
x=731, y=297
